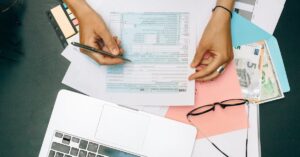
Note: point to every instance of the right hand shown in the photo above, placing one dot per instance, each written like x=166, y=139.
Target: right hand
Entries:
x=94, y=33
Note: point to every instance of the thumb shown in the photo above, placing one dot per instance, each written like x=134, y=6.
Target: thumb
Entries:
x=198, y=56
x=109, y=42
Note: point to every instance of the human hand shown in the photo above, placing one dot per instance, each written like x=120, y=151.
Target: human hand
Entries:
x=94, y=32
x=214, y=49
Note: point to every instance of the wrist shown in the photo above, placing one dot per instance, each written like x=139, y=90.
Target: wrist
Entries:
x=221, y=16
x=222, y=13
x=226, y=3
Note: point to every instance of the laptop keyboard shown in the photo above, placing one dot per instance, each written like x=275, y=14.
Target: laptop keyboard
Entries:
x=65, y=145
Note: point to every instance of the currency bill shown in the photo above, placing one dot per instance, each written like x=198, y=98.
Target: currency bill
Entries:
x=247, y=61
x=270, y=87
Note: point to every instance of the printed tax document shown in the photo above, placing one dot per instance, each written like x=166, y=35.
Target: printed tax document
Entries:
x=157, y=43
x=161, y=43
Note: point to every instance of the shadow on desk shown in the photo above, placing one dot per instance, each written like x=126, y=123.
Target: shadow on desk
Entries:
x=11, y=16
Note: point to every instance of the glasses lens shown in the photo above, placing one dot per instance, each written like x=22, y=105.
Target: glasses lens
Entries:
x=201, y=110
x=234, y=102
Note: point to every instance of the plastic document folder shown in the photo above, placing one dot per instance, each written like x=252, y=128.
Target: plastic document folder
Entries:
x=244, y=32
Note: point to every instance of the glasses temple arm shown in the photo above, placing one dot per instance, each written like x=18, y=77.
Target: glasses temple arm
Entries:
x=247, y=147
x=248, y=105
x=219, y=149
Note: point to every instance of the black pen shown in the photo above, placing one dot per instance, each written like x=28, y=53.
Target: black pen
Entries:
x=98, y=51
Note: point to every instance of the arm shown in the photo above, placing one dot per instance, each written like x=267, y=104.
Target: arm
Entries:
x=216, y=43
x=94, y=32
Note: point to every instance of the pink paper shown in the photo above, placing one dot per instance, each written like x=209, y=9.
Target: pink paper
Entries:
x=221, y=120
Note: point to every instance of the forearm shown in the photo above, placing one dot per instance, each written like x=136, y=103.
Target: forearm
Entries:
x=78, y=7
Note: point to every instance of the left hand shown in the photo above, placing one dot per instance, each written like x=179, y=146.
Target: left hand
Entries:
x=216, y=41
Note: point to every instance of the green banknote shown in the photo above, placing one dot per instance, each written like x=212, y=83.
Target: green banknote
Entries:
x=270, y=87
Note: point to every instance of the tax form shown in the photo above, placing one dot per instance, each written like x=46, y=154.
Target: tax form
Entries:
x=159, y=46
x=157, y=43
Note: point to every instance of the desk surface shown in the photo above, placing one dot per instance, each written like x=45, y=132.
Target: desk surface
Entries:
x=28, y=88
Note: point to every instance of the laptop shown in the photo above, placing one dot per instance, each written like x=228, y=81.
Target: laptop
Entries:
x=87, y=127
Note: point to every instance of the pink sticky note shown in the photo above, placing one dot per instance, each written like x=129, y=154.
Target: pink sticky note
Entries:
x=221, y=120
x=75, y=22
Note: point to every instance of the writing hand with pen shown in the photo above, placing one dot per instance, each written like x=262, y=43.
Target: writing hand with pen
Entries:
x=215, y=41
x=94, y=33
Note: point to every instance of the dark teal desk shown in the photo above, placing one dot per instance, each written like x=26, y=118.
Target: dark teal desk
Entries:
x=28, y=87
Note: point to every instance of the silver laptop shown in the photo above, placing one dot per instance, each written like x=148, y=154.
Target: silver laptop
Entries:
x=86, y=127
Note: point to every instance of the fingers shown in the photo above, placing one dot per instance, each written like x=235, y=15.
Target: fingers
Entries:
x=119, y=45
x=109, y=41
x=210, y=77
x=206, y=61
x=209, y=69
x=198, y=56
x=101, y=59
x=117, y=40
x=108, y=60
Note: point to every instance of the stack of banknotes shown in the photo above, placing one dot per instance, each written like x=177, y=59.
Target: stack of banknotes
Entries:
x=258, y=78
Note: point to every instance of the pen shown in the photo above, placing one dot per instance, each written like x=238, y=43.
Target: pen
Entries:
x=98, y=51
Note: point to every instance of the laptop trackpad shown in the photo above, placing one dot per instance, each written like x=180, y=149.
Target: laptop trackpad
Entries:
x=122, y=127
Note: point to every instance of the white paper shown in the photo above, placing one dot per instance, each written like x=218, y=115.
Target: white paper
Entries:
x=266, y=14
x=78, y=78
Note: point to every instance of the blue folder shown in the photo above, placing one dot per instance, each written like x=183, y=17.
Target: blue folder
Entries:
x=245, y=32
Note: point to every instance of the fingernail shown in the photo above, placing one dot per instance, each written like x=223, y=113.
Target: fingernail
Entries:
x=192, y=65
x=115, y=51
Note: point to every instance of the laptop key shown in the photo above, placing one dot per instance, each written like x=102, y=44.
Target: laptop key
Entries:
x=91, y=155
x=76, y=140
x=92, y=147
x=67, y=155
x=51, y=153
x=74, y=151
x=60, y=147
x=66, y=139
x=82, y=153
x=100, y=156
x=83, y=144
x=58, y=134
x=58, y=154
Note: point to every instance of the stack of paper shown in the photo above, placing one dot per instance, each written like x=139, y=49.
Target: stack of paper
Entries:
x=122, y=84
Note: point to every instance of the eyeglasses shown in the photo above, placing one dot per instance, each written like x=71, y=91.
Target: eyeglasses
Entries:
x=211, y=107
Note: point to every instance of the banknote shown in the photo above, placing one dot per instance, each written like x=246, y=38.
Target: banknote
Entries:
x=247, y=61
x=270, y=87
